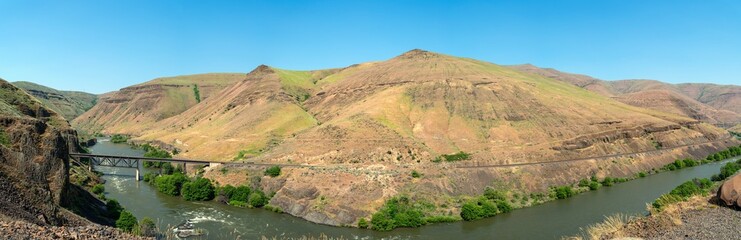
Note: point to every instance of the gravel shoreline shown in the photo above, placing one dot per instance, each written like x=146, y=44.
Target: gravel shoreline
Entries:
x=696, y=218
x=17, y=230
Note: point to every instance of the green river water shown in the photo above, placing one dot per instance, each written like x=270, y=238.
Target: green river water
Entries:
x=547, y=221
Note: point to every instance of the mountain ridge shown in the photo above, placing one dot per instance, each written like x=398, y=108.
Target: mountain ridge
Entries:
x=366, y=126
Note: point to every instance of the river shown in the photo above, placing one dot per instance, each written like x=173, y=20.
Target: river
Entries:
x=550, y=220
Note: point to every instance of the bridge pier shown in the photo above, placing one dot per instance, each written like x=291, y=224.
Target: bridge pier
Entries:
x=137, y=174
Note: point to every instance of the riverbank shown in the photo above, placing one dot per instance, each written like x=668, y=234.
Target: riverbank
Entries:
x=697, y=218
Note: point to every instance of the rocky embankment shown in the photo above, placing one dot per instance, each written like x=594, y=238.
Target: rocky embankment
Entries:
x=16, y=230
x=700, y=217
x=697, y=218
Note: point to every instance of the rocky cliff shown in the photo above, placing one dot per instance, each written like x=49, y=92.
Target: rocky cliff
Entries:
x=34, y=165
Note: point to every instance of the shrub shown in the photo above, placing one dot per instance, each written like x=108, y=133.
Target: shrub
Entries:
x=126, y=222
x=113, y=209
x=149, y=177
x=503, y=206
x=594, y=178
x=153, y=152
x=564, y=192
x=397, y=212
x=237, y=203
x=608, y=181
x=118, y=138
x=416, y=174
x=170, y=184
x=273, y=208
x=478, y=209
x=642, y=174
x=729, y=170
x=199, y=190
x=688, y=162
x=147, y=227
x=362, y=223
x=665, y=200
x=98, y=189
x=704, y=183
x=227, y=191
x=442, y=219
x=686, y=189
x=470, y=211
x=492, y=194
x=273, y=171
x=241, y=193
x=594, y=185
x=4, y=138
x=258, y=199
x=167, y=168
x=584, y=183
x=459, y=156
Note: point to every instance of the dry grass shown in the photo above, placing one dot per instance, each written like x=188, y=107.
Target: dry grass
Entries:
x=611, y=226
x=622, y=226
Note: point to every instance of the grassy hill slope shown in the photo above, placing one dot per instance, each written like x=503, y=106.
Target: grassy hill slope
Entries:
x=69, y=104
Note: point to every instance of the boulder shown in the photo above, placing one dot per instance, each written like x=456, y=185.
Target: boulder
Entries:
x=730, y=192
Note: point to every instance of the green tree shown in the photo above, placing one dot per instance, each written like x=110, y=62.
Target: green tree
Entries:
x=200, y=189
x=594, y=185
x=258, y=199
x=273, y=171
x=126, y=222
x=170, y=184
x=197, y=93
x=113, y=209
x=241, y=193
x=564, y=192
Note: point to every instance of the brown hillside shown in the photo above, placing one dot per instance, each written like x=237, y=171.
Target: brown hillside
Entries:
x=715, y=104
x=361, y=130
x=132, y=109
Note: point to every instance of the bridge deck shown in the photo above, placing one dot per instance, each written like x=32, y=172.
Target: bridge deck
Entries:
x=148, y=158
x=186, y=160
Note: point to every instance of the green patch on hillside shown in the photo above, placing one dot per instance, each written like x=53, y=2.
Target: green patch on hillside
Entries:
x=220, y=79
x=197, y=93
x=298, y=84
x=459, y=156
x=4, y=138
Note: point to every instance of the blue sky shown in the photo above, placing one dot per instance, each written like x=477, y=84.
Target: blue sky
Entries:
x=101, y=46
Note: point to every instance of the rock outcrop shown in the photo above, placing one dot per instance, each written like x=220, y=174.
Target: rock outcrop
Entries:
x=730, y=192
x=34, y=172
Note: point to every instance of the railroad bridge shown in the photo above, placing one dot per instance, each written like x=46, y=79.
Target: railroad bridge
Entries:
x=134, y=162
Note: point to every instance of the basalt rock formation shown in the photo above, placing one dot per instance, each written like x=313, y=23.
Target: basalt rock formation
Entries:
x=34, y=165
x=730, y=192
